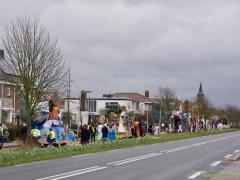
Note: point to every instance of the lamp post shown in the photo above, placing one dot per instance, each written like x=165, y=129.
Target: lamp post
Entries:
x=160, y=117
x=80, y=117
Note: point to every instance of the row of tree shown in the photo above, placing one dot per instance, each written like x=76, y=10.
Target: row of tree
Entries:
x=167, y=101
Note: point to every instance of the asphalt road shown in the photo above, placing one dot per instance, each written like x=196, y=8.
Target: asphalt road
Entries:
x=176, y=160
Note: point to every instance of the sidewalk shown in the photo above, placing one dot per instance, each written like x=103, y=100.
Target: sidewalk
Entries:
x=18, y=143
x=230, y=172
x=11, y=145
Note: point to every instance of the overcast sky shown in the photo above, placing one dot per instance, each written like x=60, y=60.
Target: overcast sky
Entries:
x=137, y=45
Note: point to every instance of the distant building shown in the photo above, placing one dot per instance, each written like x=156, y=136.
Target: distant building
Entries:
x=9, y=99
x=200, y=95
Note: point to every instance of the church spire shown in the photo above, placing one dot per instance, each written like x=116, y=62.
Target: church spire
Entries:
x=200, y=95
x=200, y=89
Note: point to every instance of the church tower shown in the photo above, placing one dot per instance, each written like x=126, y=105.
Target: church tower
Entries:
x=200, y=95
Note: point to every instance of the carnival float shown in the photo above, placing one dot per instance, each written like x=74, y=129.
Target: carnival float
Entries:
x=113, y=116
x=45, y=117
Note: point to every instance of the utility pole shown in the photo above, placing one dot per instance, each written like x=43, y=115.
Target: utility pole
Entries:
x=68, y=98
x=160, y=117
x=147, y=122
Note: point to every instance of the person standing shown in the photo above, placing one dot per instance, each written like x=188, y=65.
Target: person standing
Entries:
x=170, y=127
x=166, y=127
x=35, y=134
x=85, y=135
x=92, y=130
x=24, y=133
x=150, y=129
x=99, y=131
x=111, y=133
x=104, y=133
x=1, y=136
x=156, y=130
x=180, y=128
x=143, y=126
x=51, y=137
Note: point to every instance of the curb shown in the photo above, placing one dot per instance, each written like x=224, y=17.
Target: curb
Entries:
x=235, y=157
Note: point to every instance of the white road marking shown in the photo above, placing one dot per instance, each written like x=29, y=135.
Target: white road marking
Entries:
x=228, y=156
x=195, y=175
x=115, y=150
x=146, y=155
x=82, y=155
x=137, y=159
x=73, y=173
x=177, y=149
x=30, y=163
x=216, y=163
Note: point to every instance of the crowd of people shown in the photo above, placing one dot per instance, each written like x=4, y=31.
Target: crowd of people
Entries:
x=103, y=132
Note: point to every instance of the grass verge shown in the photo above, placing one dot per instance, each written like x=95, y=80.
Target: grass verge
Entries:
x=28, y=155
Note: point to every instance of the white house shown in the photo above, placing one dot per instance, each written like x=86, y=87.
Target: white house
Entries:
x=91, y=107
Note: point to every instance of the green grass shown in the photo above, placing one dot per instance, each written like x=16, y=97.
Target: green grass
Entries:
x=28, y=155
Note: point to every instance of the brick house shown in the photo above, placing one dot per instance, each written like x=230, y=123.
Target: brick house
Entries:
x=9, y=99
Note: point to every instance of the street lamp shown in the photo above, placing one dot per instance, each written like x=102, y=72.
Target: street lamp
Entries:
x=80, y=117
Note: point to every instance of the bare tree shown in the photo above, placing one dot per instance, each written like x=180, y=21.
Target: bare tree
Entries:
x=204, y=109
x=34, y=59
x=167, y=98
x=232, y=113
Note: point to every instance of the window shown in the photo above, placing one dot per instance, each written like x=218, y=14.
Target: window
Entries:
x=91, y=106
x=137, y=106
x=8, y=91
x=72, y=118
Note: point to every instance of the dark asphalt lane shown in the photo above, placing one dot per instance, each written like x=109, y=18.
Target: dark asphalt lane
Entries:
x=171, y=160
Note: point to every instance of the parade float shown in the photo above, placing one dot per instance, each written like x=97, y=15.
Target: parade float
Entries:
x=113, y=116
x=44, y=117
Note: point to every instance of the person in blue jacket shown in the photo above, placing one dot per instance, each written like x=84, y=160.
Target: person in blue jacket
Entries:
x=111, y=133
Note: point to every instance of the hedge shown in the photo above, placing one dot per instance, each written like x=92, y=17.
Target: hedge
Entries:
x=12, y=134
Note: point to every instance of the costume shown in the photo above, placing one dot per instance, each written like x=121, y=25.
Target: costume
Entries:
x=137, y=128
x=100, y=132
x=111, y=134
x=51, y=137
x=35, y=134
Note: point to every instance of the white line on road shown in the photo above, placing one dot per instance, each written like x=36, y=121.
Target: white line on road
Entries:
x=195, y=175
x=79, y=173
x=30, y=163
x=228, y=156
x=177, y=149
x=81, y=155
x=115, y=150
x=73, y=173
x=137, y=159
x=216, y=163
x=132, y=158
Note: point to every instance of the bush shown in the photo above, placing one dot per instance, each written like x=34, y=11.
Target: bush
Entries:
x=12, y=134
x=11, y=125
x=18, y=132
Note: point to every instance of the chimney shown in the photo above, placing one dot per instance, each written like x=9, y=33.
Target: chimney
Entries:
x=1, y=54
x=147, y=93
x=108, y=95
